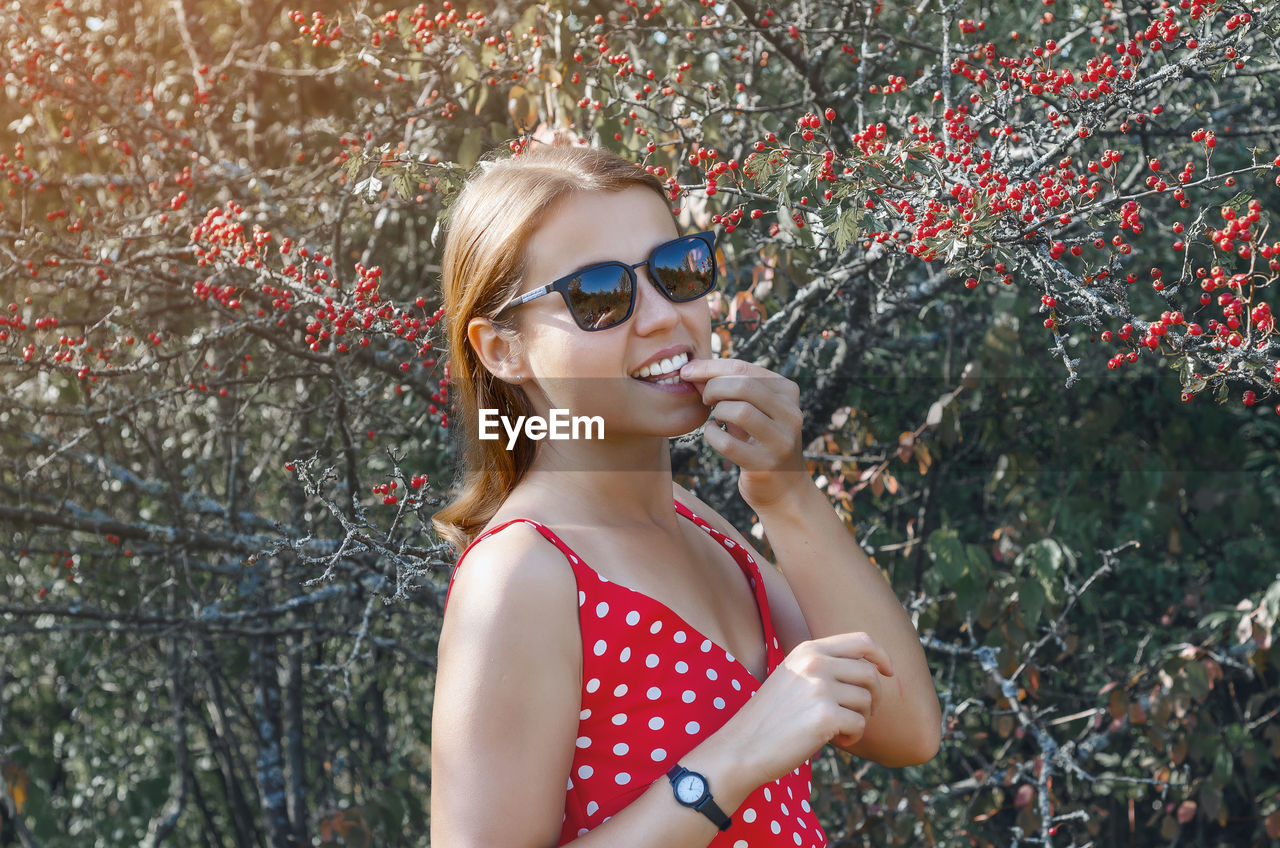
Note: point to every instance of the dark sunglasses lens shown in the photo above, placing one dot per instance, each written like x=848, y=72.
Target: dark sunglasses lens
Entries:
x=600, y=297
x=685, y=268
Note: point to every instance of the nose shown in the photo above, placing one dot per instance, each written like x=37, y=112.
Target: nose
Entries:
x=654, y=310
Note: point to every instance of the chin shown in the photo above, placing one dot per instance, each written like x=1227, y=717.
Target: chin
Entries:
x=683, y=425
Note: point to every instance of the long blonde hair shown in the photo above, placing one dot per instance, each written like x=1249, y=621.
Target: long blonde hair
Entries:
x=489, y=227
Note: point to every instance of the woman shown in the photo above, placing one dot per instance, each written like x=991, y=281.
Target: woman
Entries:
x=617, y=665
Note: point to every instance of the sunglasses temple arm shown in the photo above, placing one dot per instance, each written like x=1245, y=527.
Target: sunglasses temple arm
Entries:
x=523, y=299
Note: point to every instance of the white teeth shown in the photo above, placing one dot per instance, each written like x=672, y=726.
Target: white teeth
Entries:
x=665, y=366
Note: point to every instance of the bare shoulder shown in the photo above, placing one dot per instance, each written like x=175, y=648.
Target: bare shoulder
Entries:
x=516, y=570
x=507, y=689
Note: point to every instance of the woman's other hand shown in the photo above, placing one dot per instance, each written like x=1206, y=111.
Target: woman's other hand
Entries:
x=824, y=691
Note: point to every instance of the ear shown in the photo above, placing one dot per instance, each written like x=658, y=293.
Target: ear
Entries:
x=498, y=351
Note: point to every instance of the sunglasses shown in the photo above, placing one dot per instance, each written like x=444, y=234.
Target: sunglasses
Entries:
x=603, y=295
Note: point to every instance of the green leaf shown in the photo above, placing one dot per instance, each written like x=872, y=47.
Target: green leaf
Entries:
x=1197, y=680
x=463, y=71
x=1031, y=600
x=970, y=592
x=761, y=166
x=481, y=98
x=469, y=149
x=353, y=164
x=846, y=229
x=979, y=561
x=1044, y=561
x=948, y=554
x=400, y=183
x=1223, y=765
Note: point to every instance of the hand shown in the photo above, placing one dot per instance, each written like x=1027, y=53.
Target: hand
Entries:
x=761, y=413
x=824, y=691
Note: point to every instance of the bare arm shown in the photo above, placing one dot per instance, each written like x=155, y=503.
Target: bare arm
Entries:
x=506, y=696
x=839, y=590
x=890, y=738
x=828, y=577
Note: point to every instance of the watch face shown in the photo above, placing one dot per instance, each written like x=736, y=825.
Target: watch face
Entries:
x=690, y=788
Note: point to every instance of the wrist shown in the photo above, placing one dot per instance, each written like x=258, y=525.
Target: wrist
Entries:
x=794, y=497
x=723, y=768
x=693, y=791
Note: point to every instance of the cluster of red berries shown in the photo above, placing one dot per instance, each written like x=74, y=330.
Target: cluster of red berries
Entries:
x=15, y=170
x=1238, y=230
x=441, y=396
x=1206, y=137
x=893, y=85
x=810, y=122
x=322, y=33
x=221, y=228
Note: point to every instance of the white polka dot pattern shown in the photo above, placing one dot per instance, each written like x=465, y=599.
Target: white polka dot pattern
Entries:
x=637, y=719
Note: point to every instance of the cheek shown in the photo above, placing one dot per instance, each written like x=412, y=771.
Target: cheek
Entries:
x=575, y=367
x=699, y=320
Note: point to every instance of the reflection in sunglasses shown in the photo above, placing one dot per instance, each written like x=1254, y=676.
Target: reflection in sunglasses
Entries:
x=596, y=305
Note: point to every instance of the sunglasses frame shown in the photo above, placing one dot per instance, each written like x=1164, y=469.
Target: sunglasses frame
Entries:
x=561, y=285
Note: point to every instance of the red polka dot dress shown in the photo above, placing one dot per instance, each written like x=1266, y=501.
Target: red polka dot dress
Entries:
x=653, y=687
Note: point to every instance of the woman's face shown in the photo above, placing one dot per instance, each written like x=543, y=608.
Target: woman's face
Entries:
x=591, y=373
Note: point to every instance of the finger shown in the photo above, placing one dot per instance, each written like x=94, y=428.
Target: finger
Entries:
x=859, y=699
x=747, y=417
x=858, y=672
x=851, y=726
x=752, y=447
x=777, y=397
x=859, y=645
x=735, y=445
x=845, y=740
x=740, y=446
x=861, y=675
x=732, y=447
x=701, y=370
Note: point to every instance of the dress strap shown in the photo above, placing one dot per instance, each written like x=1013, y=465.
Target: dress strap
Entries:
x=773, y=648
x=575, y=561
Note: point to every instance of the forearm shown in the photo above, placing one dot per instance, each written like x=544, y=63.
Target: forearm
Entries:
x=657, y=820
x=839, y=590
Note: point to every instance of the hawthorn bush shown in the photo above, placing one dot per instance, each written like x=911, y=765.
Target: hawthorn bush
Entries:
x=973, y=232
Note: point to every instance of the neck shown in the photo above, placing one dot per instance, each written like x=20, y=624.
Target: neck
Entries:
x=606, y=483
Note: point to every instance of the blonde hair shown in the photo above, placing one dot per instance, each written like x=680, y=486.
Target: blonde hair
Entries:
x=490, y=224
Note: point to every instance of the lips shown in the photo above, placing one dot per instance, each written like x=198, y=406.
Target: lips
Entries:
x=665, y=371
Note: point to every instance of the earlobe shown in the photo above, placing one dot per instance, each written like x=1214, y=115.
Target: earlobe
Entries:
x=498, y=353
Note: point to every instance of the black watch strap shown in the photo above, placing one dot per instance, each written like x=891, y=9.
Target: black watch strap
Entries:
x=707, y=805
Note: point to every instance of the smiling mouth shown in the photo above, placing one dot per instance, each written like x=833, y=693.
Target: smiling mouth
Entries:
x=664, y=372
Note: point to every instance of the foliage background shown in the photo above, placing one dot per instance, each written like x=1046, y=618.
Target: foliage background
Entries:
x=225, y=425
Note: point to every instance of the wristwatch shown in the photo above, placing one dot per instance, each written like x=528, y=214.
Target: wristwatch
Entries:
x=691, y=790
